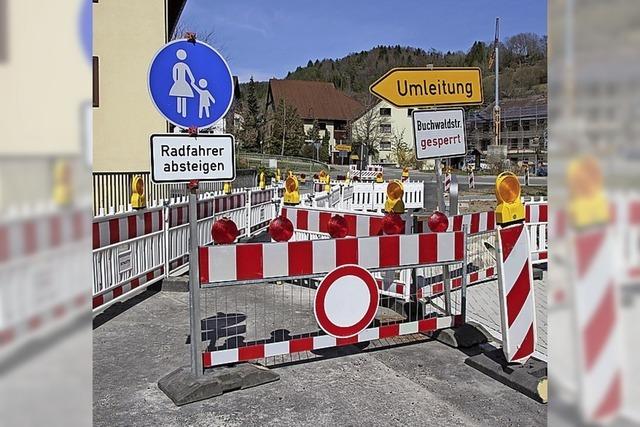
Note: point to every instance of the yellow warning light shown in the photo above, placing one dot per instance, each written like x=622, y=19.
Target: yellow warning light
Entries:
x=588, y=204
x=347, y=178
x=327, y=183
x=510, y=208
x=227, y=188
x=394, y=202
x=262, y=183
x=291, y=194
x=379, y=178
x=278, y=175
x=138, y=199
x=62, y=183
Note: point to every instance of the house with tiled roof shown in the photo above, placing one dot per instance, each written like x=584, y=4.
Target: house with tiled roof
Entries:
x=321, y=101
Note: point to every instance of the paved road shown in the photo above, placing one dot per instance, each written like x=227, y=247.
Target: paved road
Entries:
x=387, y=384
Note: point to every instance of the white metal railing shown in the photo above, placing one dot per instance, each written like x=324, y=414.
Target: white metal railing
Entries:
x=134, y=249
x=372, y=196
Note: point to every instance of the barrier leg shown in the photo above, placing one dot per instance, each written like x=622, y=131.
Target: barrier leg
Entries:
x=446, y=276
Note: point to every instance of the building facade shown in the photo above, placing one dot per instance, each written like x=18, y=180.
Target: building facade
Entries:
x=523, y=129
x=126, y=36
x=316, y=101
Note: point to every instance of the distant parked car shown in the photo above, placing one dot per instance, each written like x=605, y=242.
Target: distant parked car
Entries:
x=542, y=171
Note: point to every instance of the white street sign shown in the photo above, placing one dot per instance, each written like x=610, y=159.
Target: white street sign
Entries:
x=182, y=158
x=439, y=133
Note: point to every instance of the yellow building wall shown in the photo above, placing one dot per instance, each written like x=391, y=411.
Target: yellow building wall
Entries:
x=126, y=36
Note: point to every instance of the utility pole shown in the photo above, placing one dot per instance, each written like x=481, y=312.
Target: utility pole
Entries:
x=284, y=120
x=496, y=109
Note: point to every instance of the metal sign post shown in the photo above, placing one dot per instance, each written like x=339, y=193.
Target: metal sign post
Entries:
x=439, y=185
x=194, y=283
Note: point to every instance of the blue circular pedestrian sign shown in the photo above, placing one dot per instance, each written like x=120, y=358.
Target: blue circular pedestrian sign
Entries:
x=190, y=84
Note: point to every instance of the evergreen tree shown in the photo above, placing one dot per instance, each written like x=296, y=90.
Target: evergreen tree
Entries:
x=294, y=134
x=252, y=132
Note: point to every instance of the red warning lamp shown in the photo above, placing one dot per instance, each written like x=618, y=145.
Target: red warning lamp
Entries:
x=337, y=227
x=438, y=222
x=224, y=231
x=281, y=229
x=392, y=223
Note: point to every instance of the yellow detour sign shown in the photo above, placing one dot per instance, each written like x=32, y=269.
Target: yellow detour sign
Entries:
x=343, y=147
x=415, y=87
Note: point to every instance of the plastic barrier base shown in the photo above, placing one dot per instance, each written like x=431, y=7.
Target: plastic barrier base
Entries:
x=530, y=378
x=183, y=388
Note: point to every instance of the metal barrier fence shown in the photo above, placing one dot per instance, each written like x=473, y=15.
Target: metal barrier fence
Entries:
x=112, y=190
x=372, y=196
x=42, y=255
x=254, y=310
x=134, y=249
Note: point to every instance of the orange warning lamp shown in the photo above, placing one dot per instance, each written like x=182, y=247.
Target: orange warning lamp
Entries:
x=327, y=183
x=510, y=208
x=227, y=188
x=291, y=194
x=394, y=203
x=138, y=199
x=262, y=183
x=379, y=178
x=405, y=174
x=278, y=175
x=62, y=183
x=588, y=204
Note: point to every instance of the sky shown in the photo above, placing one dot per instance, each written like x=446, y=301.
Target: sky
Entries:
x=266, y=39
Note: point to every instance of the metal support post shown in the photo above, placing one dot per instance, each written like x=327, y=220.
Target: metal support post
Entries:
x=463, y=289
x=194, y=285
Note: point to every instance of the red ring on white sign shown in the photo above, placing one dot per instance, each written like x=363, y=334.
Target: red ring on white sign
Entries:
x=346, y=301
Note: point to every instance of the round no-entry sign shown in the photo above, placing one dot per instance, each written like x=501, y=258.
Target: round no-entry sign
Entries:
x=346, y=301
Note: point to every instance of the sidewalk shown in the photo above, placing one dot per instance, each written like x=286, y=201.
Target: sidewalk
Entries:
x=400, y=384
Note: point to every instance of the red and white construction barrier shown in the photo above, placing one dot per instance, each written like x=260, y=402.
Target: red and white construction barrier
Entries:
x=315, y=220
x=258, y=261
x=114, y=229
x=515, y=280
x=597, y=316
x=296, y=345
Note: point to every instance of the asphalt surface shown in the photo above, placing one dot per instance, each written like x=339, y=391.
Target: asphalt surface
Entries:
x=405, y=381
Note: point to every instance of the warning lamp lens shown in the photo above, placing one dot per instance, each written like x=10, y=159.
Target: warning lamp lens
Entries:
x=281, y=229
x=392, y=223
x=290, y=184
x=337, y=227
x=224, y=231
x=508, y=188
x=379, y=175
x=395, y=190
x=438, y=222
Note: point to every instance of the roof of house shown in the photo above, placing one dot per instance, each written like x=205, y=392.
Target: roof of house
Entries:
x=315, y=100
x=532, y=106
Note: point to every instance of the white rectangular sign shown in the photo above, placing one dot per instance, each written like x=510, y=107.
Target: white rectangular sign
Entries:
x=439, y=133
x=181, y=158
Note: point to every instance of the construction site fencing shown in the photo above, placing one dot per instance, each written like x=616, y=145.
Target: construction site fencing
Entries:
x=42, y=256
x=136, y=248
x=372, y=196
x=259, y=299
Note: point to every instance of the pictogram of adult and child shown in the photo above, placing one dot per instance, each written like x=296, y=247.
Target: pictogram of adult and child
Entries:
x=184, y=90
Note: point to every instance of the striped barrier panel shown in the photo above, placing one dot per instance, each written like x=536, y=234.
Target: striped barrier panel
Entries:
x=598, y=319
x=515, y=279
x=261, y=264
x=372, y=196
x=316, y=220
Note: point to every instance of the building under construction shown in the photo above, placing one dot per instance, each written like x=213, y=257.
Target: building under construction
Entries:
x=523, y=129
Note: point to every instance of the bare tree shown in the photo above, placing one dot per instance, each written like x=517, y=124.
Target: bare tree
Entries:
x=366, y=132
x=400, y=150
